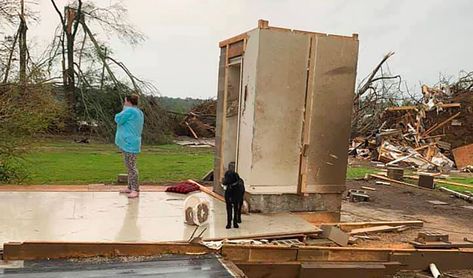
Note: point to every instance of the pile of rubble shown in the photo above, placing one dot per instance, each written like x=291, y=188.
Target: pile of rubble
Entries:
x=200, y=121
x=427, y=136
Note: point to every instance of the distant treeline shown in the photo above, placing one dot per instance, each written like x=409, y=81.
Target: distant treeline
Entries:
x=179, y=105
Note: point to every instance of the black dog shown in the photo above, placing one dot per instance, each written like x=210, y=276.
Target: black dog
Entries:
x=234, y=192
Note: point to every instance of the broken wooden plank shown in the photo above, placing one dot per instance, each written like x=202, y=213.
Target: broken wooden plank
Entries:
x=367, y=237
x=458, y=194
x=191, y=130
x=435, y=202
x=441, y=124
x=382, y=183
x=400, y=159
x=444, y=182
x=411, y=107
x=57, y=250
x=375, y=229
x=208, y=190
x=394, y=181
x=348, y=226
x=368, y=188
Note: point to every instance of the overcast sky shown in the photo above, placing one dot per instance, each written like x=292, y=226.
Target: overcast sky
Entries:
x=180, y=55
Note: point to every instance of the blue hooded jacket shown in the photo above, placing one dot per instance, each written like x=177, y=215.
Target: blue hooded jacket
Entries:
x=129, y=127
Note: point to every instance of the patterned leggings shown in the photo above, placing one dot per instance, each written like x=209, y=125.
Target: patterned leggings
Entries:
x=130, y=163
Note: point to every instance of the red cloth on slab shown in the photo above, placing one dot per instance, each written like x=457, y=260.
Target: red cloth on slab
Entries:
x=183, y=187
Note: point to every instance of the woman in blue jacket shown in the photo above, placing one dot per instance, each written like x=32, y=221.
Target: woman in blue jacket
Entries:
x=128, y=139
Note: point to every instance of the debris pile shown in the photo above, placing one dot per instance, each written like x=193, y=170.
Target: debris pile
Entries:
x=423, y=136
x=200, y=121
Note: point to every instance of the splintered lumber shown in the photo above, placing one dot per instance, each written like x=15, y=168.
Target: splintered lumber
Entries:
x=208, y=191
x=454, y=183
x=444, y=182
x=458, y=194
x=382, y=183
x=375, y=229
x=368, y=188
x=404, y=108
x=400, y=159
x=422, y=147
x=348, y=226
x=441, y=124
x=191, y=130
x=393, y=181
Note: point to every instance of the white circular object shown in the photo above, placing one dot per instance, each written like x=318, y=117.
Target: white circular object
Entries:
x=196, y=211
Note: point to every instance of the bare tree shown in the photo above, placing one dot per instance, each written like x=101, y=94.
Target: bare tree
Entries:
x=110, y=19
x=9, y=10
x=17, y=12
x=380, y=89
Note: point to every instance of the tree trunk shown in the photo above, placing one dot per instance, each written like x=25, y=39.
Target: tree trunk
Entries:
x=70, y=72
x=22, y=43
x=70, y=76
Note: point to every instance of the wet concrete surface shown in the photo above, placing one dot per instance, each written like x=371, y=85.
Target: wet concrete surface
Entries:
x=111, y=217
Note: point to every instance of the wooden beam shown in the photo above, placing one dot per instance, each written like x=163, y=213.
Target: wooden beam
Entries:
x=411, y=107
x=348, y=226
x=441, y=124
x=445, y=182
x=306, y=124
x=394, y=181
x=374, y=229
x=234, y=39
x=58, y=250
x=410, y=259
x=207, y=190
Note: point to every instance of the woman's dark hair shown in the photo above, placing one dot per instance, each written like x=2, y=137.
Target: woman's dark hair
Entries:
x=133, y=98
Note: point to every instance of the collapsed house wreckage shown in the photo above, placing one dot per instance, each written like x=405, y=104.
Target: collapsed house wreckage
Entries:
x=430, y=136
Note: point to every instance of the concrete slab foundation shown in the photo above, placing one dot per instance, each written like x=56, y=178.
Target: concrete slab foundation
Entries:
x=111, y=217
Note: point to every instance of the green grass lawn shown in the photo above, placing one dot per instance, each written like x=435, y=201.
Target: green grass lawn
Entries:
x=70, y=163
x=62, y=162
x=359, y=172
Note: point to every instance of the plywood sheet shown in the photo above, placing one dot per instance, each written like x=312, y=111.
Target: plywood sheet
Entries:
x=463, y=156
